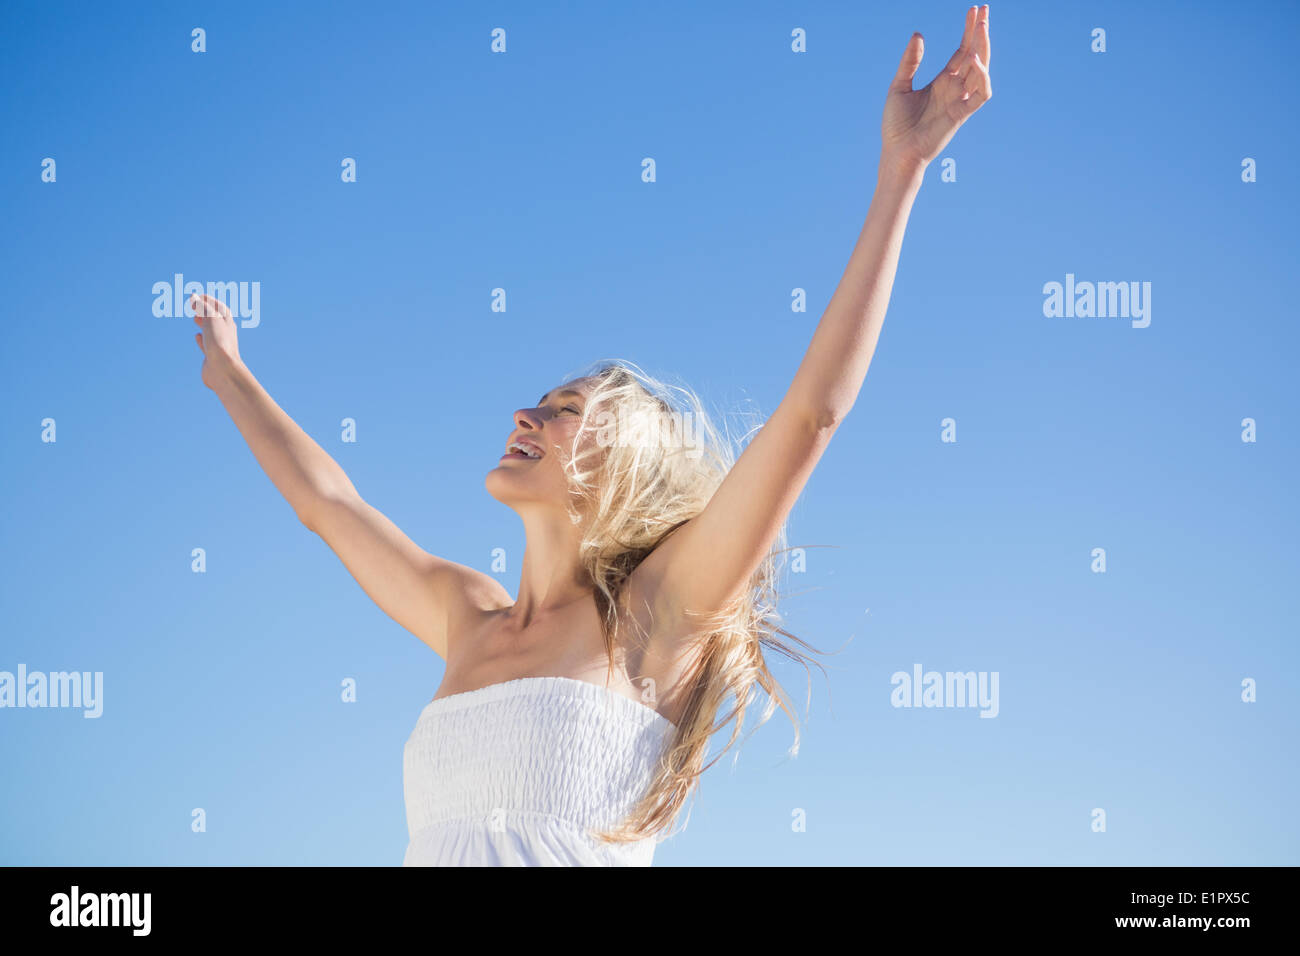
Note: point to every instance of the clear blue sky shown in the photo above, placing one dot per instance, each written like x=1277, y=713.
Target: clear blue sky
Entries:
x=522, y=171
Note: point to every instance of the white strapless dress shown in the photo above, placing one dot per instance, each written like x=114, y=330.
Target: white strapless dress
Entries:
x=514, y=773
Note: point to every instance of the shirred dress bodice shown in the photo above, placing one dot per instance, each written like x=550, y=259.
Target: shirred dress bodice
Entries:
x=514, y=774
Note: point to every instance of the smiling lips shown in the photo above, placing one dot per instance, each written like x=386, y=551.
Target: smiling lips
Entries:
x=524, y=449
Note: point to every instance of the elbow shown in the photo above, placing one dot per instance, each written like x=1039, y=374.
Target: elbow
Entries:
x=311, y=514
x=818, y=410
x=319, y=512
x=819, y=417
x=825, y=419
x=308, y=519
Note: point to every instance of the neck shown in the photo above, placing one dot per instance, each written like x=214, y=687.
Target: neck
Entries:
x=551, y=576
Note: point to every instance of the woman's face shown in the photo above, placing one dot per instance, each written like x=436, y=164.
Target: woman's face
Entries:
x=548, y=428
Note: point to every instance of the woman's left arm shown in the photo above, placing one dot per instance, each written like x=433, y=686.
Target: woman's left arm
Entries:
x=712, y=557
x=917, y=125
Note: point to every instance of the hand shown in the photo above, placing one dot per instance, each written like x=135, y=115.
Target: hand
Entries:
x=919, y=123
x=218, y=341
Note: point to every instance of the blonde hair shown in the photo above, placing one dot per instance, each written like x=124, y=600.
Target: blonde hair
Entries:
x=663, y=465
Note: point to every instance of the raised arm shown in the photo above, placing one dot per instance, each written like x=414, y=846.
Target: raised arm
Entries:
x=419, y=591
x=712, y=557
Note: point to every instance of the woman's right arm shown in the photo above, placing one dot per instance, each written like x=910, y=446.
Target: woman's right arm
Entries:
x=419, y=591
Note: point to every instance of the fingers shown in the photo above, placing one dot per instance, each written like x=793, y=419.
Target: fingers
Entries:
x=976, y=86
x=969, y=65
x=975, y=37
x=982, y=43
x=198, y=340
x=959, y=55
x=907, y=67
x=968, y=32
x=205, y=306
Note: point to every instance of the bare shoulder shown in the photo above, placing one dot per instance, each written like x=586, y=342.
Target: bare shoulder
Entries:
x=466, y=594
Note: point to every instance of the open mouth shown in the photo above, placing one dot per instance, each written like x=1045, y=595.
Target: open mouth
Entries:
x=524, y=451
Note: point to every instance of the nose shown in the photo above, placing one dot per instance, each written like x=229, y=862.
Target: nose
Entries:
x=528, y=418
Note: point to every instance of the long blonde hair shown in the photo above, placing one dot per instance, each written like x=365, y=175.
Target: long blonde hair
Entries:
x=657, y=461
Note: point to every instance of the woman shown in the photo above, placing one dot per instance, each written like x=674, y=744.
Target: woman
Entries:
x=572, y=720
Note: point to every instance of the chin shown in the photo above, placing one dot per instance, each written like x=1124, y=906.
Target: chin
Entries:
x=504, y=486
x=494, y=480
x=514, y=490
